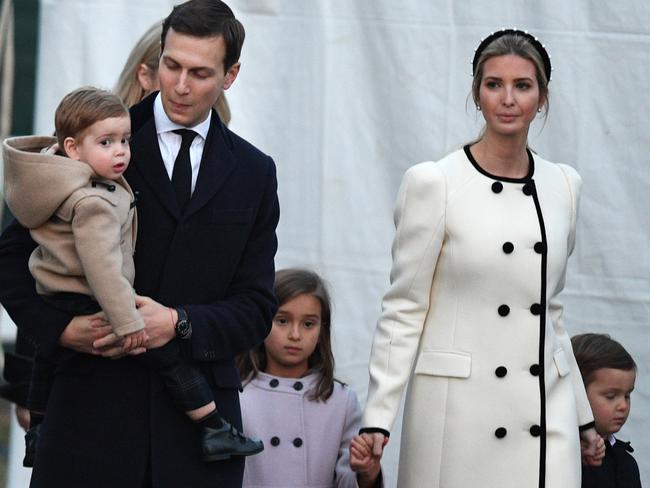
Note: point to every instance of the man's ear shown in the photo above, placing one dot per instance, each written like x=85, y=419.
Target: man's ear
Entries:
x=70, y=148
x=231, y=75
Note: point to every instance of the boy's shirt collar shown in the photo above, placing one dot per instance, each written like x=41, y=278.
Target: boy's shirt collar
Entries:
x=164, y=124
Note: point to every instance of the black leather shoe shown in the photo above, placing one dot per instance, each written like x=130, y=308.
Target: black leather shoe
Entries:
x=225, y=442
x=31, y=443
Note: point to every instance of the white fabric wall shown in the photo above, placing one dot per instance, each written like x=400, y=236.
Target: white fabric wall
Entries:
x=345, y=95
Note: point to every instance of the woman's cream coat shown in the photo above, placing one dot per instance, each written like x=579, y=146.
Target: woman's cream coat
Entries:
x=471, y=318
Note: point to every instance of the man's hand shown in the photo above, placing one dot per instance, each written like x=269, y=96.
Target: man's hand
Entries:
x=159, y=321
x=22, y=416
x=83, y=330
x=592, y=447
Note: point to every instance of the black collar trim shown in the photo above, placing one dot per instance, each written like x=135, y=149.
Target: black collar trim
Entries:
x=531, y=167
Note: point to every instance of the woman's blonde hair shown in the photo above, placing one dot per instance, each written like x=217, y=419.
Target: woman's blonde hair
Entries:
x=147, y=51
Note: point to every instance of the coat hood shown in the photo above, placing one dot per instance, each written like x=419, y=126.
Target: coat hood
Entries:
x=37, y=182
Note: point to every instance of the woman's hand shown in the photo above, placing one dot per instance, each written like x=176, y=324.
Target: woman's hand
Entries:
x=592, y=447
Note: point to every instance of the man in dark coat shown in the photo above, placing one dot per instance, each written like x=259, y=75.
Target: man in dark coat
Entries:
x=204, y=270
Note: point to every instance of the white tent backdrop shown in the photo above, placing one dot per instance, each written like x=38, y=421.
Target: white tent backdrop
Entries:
x=345, y=95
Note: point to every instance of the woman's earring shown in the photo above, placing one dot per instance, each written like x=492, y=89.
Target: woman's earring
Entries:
x=539, y=110
x=478, y=107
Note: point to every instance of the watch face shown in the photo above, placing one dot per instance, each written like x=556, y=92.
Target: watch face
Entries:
x=183, y=328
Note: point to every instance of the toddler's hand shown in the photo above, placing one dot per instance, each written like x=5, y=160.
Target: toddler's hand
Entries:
x=136, y=340
x=592, y=448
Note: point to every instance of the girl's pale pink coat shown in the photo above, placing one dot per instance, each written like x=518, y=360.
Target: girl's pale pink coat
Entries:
x=305, y=442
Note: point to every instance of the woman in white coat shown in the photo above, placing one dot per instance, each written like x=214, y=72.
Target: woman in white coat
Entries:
x=471, y=320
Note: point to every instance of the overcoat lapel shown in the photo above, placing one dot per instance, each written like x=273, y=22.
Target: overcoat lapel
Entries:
x=217, y=164
x=149, y=163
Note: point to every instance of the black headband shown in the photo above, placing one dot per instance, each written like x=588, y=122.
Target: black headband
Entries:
x=541, y=49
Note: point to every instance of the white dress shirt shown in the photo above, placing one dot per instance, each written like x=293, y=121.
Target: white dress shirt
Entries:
x=170, y=143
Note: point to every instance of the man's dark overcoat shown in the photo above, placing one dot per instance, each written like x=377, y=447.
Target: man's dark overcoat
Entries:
x=111, y=423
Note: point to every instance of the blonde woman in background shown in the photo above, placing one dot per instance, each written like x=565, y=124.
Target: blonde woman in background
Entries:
x=139, y=76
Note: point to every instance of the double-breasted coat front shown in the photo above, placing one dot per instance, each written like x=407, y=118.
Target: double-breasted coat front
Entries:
x=495, y=396
x=306, y=441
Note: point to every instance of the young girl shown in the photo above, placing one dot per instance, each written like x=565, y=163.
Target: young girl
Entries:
x=293, y=403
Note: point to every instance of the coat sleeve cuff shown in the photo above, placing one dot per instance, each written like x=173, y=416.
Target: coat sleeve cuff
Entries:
x=374, y=430
x=588, y=426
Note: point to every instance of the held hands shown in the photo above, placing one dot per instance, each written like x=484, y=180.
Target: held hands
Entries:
x=135, y=340
x=365, y=456
x=592, y=447
x=83, y=330
x=159, y=329
x=92, y=334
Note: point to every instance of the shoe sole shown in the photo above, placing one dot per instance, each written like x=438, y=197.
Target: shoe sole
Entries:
x=223, y=457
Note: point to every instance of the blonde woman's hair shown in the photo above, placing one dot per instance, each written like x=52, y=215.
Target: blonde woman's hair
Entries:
x=147, y=51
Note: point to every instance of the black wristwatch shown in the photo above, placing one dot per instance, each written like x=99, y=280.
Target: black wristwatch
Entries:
x=183, y=325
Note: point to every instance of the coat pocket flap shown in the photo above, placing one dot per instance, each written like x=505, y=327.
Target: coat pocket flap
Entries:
x=454, y=364
x=561, y=362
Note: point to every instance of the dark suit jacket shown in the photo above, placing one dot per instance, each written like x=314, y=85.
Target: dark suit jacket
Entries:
x=108, y=422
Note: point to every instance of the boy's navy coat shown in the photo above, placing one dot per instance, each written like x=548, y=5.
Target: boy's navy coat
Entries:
x=110, y=421
x=619, y=469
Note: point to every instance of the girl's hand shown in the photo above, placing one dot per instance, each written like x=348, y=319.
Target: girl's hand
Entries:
x=592, y=447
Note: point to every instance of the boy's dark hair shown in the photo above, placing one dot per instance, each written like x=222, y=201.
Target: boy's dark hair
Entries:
x=83, y=107
x=290, y=283
x=207, y=18
x=596, y=351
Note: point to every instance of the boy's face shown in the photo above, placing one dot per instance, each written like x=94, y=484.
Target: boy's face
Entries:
x=104, y=146
x=609, y=396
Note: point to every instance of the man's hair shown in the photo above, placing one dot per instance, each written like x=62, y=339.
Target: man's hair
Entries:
x=82, y=108
x=207, y=18
x=596, y=351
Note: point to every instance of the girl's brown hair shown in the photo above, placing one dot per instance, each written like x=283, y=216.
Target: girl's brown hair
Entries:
x=290, y=283
x=596, y=351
